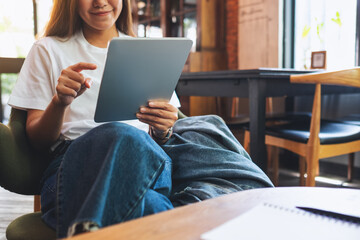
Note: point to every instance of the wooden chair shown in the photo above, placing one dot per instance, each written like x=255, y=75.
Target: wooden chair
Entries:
x=315, y=139
x=351, y=119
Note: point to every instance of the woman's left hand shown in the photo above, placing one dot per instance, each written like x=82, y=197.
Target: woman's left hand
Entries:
x=161, y=117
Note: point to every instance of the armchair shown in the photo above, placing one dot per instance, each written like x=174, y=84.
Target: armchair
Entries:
x=20, y=171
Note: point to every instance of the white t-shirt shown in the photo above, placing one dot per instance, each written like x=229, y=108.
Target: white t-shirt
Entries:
x=38, y=77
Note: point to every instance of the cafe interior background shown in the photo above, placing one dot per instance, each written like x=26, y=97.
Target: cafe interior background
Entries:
x=229, y=35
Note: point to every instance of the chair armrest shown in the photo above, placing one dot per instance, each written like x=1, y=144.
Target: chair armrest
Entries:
x=21, y=167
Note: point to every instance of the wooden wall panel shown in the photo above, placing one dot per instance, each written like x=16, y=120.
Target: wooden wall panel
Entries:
x=258, y=43
x=258, y=34
x=208, y=24
x=232, y=16
x=206, y=61
x=212, y=56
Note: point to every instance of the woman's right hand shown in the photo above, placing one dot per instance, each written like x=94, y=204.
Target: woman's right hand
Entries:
x=72, y=83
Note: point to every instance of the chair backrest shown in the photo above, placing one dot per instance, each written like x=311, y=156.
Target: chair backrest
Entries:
x=20, y=166
x=11, y=65
x=8, y=65
x=348, y=77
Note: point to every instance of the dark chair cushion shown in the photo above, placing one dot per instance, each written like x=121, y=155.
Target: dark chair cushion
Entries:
x=283, y=118
x=29, y=227
x=21, y=167
x=331, y=132
x=351, y=119
x=288, y=116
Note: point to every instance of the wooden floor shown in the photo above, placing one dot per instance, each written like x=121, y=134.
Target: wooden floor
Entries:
x=11, y=206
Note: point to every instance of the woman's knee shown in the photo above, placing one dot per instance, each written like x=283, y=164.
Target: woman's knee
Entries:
x=120, y=131
x=155, y=202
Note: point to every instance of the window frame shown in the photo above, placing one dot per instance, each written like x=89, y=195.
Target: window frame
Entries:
x=288, y=56
x=357, y=34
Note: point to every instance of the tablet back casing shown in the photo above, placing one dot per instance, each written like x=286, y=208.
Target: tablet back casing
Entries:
x=138, y=70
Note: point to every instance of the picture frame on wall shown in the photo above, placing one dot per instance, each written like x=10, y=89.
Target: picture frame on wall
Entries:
x=318, y=60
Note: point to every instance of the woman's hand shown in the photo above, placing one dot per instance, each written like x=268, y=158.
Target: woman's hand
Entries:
x=72, y=83
x=161, y=117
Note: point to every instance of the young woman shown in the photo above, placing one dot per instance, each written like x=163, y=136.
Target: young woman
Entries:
x=99, y=175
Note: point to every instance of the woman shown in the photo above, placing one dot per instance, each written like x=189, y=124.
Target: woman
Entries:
x=99, y=175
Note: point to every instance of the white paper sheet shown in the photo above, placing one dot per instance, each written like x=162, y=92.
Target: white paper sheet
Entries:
x=268, y=221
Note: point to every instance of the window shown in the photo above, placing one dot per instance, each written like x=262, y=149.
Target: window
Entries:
x=325, y=25
x=43, y=10
x=183, y=19
x=148, y=18
x=16, y=30
x=164, y=18
x=17, y=34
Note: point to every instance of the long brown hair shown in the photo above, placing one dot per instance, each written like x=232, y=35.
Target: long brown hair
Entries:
x=65, y=20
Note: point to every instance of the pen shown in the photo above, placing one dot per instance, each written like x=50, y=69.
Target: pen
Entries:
x=331, y=214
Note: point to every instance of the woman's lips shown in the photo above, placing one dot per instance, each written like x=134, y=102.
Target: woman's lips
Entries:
x=102, y=13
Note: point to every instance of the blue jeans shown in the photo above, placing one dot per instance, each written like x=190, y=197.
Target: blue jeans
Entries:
x=111, y=174
x=208, y=161
x=116, y=173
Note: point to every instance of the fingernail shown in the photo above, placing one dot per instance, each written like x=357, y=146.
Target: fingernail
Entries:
x=151, y=104
x=142, y=109
x=88, y=83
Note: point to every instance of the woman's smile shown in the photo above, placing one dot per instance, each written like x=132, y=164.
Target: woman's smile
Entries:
x=101, y=13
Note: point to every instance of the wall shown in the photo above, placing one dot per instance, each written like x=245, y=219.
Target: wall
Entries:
x=258, y=32
x=232, y=13
x=246, y=23
x=257, y=45
x=212, y=56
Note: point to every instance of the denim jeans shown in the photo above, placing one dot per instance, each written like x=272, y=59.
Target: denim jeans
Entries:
x=111, y=174
x=116, y=172
x=208, y=161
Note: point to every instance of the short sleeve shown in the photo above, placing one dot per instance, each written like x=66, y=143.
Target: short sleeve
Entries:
x=34, y=87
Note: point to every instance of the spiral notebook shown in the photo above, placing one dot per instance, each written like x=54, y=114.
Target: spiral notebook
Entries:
x=269, y=221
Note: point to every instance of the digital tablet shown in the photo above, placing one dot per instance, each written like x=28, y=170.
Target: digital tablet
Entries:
x=136, y=71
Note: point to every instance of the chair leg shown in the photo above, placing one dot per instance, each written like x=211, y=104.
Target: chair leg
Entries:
x=350, y=172
x=311, y=163
x=317, y=171
x=302, y=168
x=273, y=164
x=247, y=141
x=235, y=107
x=269, y=170
x=37, y=203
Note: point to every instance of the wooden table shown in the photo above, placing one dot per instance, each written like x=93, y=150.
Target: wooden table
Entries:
x=189, y=222
x=257, y=85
